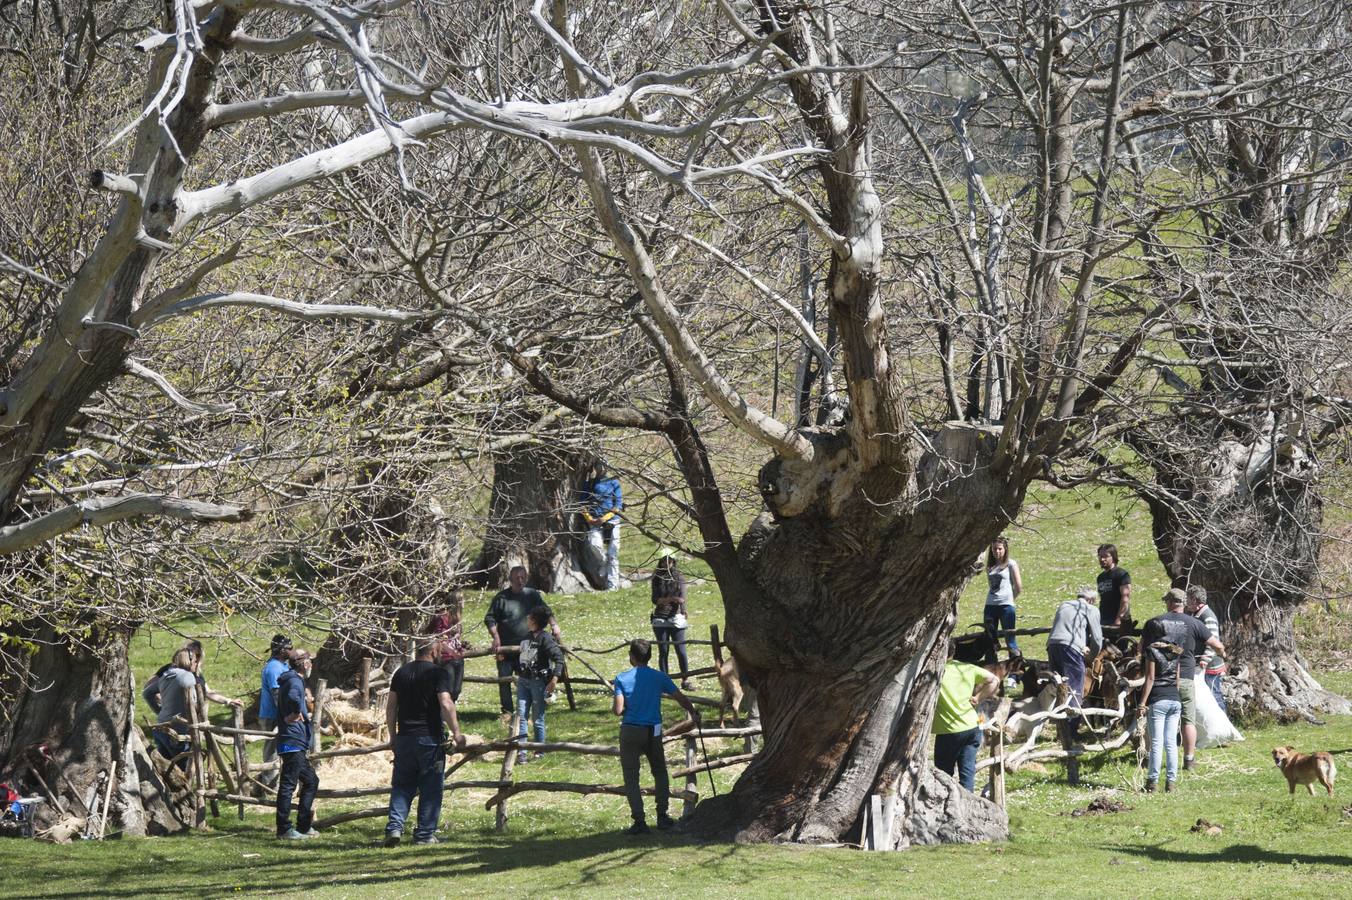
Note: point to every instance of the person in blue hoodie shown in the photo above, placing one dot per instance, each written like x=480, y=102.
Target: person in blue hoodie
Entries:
x=602, y=501
x=267, y=698
x=294, y=731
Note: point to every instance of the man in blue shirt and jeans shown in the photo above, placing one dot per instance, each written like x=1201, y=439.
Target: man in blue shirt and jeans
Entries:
x=267, y=698
x=294, y=731
x=638, y=698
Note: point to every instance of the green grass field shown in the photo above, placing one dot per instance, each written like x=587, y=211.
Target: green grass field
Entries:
x=1271, y=844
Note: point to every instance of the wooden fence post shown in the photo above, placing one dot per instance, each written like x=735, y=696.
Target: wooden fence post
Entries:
x=508, y=762
x=321, y=688
x=241, y=759
x=195, y=737
x=691, y=780
x=568, y=688
x=364, y=684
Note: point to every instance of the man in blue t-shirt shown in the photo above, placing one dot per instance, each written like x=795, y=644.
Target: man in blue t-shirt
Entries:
x=267, y=699
x=638, y=698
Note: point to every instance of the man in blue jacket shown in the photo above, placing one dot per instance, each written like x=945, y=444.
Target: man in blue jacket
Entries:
x=602, y=500
x=293, y=746
x=267, y=698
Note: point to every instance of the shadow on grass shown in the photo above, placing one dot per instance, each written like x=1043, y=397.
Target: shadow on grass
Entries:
x=1236, y=853
x=356, y=861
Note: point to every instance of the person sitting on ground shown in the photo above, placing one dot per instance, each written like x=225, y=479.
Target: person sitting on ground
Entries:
x=957, y=729
x=1212, y=663
x=419, y=703
x=1076, y=637
x=1176, y=627
x=669, y=613
x=539, y=666
x=177, y=691
x=506, y=622
x=1005, y=584
x=267, y=699
x=1114, y=589
x=602, y=501
x=638, y=699
x=294, y=734
x=448, y=628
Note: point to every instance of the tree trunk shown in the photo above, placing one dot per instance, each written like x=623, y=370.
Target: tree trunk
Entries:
x=1244, y=522
x=872, y=587
x=72, y=722
x=531, y=518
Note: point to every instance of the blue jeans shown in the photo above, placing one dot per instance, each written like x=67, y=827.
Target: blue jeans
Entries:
x=1001, y=618
x=530, y=693
x=1214, y=682
x=958, y=750
x=170, y=748
x=1164, y=716
x=419, y=764
x=1068, y=662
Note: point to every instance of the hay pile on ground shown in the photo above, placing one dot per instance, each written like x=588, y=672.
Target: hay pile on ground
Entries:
x=364, y=770
x=343, y=718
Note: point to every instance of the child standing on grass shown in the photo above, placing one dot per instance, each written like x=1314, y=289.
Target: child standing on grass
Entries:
x=538, y=668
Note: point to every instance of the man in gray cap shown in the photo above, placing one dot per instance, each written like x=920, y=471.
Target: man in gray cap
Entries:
x=1077, y=635
x=1176, y=627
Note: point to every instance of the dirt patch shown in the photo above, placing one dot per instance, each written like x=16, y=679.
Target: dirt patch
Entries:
x=1100, y=806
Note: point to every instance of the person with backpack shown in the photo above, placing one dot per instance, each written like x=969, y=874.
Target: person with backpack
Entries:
x=1167, y=644
x=538, y=667
x=267, y=698
x=668, y=619
x=602, y=501
x=294, y=732
x=638, y=700
x=419, y=703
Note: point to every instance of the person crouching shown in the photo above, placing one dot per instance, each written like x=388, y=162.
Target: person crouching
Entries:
x=419, y=702
x=294, y=731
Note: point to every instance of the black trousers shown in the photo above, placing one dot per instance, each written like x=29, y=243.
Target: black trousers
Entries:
x=506, y=668
x=296, y=769
x=636, y=742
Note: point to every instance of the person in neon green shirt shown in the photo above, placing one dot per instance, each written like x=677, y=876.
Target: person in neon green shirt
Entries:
x=956, y=727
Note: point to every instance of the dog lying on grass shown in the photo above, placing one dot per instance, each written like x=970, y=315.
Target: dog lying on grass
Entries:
x=1305, y=768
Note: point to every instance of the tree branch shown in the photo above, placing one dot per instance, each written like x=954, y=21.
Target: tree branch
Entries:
x=102, y=511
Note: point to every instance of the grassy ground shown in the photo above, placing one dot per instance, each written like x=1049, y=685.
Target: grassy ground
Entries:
x=1270, y=845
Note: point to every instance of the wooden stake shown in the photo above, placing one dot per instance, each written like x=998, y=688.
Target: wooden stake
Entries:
x=508, y=762
x=107, y=799
x=321, y=688
x=241, y=757
x=691, y=781
x=198, y=778
x=568, y=688
x=363, y=685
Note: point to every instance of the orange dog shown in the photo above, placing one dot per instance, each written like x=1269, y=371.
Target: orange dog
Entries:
x=1305, y=768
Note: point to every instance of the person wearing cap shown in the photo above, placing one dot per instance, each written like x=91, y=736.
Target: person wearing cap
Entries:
x=669, y=613
x=1077, y=635
x=1212, y=663
x=294, y=732
x=267, y=699
x=1168, y=645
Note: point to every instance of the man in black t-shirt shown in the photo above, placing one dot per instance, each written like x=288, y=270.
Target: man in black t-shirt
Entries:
x=1190, y=634
x=419, y=702
x=1114, y=589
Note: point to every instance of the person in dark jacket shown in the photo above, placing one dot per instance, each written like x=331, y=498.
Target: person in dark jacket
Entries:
x=669, y=613
x=602, y=501
x=294, y=731
x=539, y=666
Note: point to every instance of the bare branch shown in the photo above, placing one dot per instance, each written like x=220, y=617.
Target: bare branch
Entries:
x=102, y=511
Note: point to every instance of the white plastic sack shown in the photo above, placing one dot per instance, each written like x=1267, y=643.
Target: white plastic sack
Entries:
x=1213, y=725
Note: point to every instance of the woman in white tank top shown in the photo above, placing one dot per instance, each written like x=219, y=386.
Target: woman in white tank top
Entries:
x=1005, y=585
